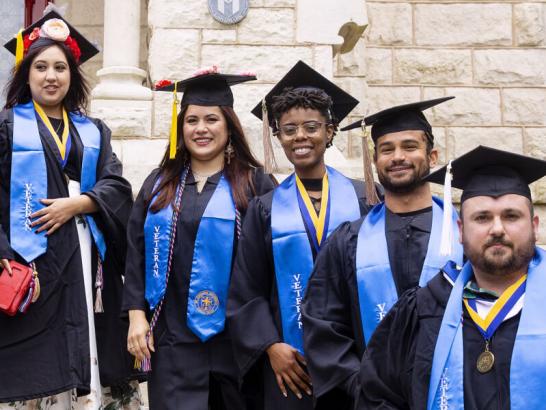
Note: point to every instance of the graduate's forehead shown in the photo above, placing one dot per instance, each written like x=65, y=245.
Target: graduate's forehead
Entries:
x=496, y=205
x=401, y=137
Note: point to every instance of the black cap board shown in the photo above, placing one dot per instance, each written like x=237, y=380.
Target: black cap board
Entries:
x=87, y=49
x=400, y=118
x=303, y=76
x=486, y=171
x=210, y=89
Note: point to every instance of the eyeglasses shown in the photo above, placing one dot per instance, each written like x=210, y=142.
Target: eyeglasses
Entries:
x=310, y=128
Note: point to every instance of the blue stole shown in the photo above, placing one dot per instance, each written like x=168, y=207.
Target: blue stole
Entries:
x=376, y=287
x=211, y=264
x=292, y=254
x=528, y=364
x=29, y=179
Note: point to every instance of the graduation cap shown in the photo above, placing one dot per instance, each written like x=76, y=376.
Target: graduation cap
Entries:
x=207, y=87
x=486, y=171
x=51, y=27
x=400, y=118
x=299, y=77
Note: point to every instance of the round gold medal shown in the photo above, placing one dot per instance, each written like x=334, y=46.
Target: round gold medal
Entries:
x=485, y=362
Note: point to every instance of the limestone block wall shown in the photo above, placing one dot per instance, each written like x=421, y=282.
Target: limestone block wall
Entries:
x=183, y=38
x=491, y=55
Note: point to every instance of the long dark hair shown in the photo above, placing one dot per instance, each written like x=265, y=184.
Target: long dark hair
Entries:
x=18, y=91
x=238, y=172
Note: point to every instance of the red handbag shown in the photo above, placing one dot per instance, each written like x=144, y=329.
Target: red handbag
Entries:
x=15, y=288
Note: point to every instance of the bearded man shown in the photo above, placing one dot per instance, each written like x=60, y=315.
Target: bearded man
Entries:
x=367, y=264
x=480, y=342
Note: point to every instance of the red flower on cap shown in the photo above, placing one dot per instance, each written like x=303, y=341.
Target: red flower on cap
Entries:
x=162, y=83
x=35, y=34
x=74, y=48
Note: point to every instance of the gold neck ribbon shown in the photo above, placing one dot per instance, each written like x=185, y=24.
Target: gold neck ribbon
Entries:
x=60, y=141
x=319, y=221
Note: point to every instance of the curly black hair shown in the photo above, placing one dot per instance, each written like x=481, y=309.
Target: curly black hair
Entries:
x=312, y=98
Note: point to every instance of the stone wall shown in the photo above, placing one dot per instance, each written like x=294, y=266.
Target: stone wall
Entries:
x=12, y=14
x=490, y=55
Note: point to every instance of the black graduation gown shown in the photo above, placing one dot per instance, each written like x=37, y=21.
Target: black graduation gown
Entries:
x=46, y=351
x=396, y=367
x=331, y=309
x=253, y=307
x=185, y=371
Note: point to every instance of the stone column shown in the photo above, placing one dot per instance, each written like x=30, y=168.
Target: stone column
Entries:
x=120, y=98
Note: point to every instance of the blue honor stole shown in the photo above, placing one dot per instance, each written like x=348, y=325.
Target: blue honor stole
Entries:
x=29, y=179
x=292, y=254
x=376, y=288
x=211, y=263
x=528, y=364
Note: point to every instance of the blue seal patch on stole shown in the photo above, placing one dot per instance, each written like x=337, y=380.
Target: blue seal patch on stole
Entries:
x=206, y=302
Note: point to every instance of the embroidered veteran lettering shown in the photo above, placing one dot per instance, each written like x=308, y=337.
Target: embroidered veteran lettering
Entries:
x=28, y=206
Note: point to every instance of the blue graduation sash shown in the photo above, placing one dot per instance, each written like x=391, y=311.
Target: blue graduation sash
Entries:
x=292, y=254
x=211, y=263
x=29, y=179
x=376, y=287
x=528, y=364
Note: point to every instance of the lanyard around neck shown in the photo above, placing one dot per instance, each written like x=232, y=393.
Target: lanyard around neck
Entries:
x=60, y=141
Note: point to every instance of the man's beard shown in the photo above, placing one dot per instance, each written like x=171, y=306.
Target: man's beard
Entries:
x=407, y=186
x=494, y=263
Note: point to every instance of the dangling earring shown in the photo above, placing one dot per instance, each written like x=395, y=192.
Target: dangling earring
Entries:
x=229, y=151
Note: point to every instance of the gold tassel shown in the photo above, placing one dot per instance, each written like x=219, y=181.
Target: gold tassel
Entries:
x=371, y=192
x=270, y=165
x=19, y=48
x=174, y=127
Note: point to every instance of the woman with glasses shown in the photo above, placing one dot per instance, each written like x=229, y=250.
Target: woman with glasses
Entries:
x=283, y=233
x=64, y=206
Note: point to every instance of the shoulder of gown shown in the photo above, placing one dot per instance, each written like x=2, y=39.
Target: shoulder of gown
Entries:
x=395, y=368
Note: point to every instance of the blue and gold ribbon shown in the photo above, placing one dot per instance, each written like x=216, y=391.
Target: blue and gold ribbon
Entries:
x=316, y=224
x=62, y=142
x=499, y=311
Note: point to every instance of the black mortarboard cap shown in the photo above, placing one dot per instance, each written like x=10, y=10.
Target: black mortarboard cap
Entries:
x=400, y=118
x=210, y=89
x=87, y=49
x=486, y=171
x=303, y=76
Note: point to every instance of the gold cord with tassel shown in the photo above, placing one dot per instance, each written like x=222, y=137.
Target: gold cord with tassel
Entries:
x=270, y=165
x=371, y=192
x=174, y=126
x=19, y=48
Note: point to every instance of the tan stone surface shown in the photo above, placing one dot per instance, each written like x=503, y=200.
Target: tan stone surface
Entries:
x=177, y=14
x=463, y=24
x=140, y=157
x=524, y=106
x=269, y=62
x=219, y=36
x=267, y=26
x=278, y=3
x=323, y=60
x=124, y=118
x=463, y=139
x=380, y=98
x=354, y=62
x=424, y=66
x=510, y=67
x=390, y=23
x=530, y=24
x=173, y=54
x=378, y=64
x=471, y=106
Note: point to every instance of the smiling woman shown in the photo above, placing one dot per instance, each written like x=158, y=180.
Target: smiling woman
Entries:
x=183, y=231
x=63, y=210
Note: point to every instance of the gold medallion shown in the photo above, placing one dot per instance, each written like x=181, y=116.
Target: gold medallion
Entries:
x=485, y=361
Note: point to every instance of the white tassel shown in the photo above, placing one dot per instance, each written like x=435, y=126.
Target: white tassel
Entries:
x=447, y=223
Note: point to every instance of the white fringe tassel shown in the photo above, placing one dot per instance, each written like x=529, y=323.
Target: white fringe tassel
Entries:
x=447, y=223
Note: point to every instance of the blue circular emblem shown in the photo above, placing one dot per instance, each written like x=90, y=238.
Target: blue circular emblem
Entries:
x=228, y=11
x=206, y=302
